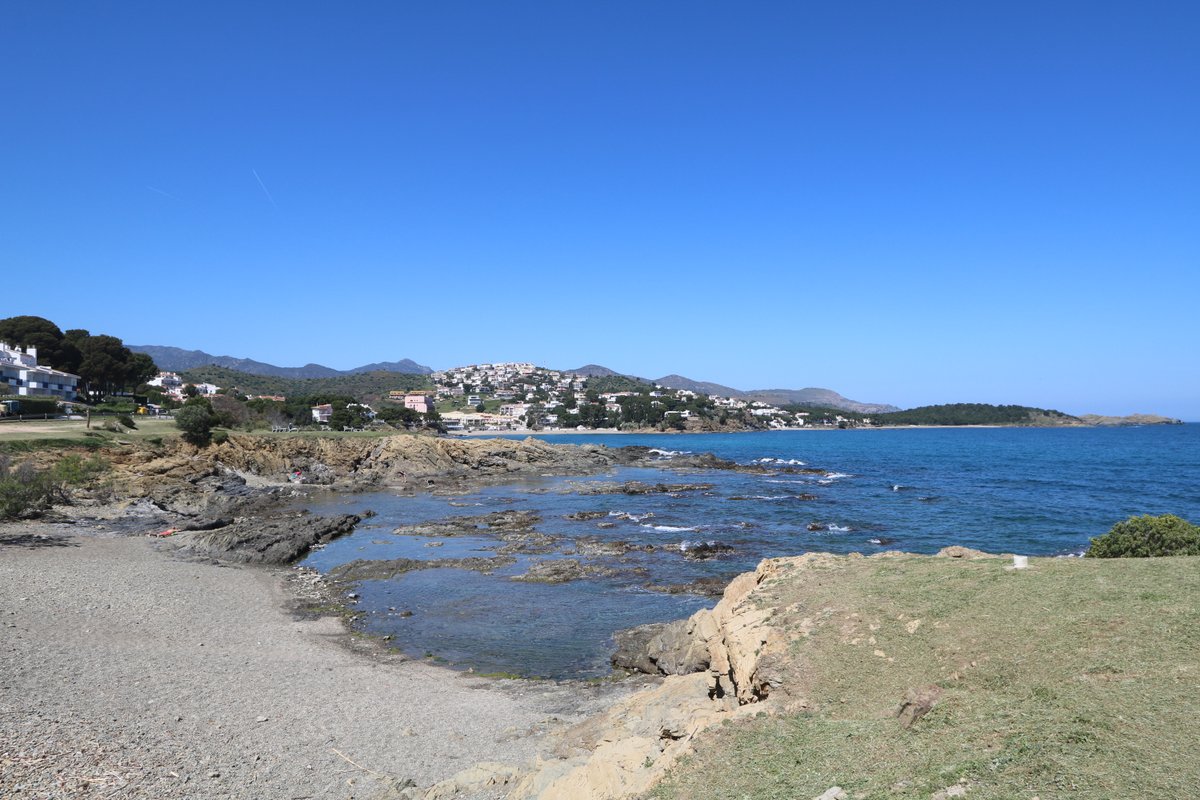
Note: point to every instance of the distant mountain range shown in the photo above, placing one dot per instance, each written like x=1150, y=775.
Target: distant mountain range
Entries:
x=175, y=359
x=776, y=397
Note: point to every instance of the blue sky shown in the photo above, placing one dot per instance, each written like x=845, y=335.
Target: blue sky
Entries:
x=905, y=202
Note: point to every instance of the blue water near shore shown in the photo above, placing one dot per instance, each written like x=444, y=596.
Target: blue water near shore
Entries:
x=1032, y=491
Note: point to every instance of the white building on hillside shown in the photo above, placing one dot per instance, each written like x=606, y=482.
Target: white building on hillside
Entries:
x=21, y=375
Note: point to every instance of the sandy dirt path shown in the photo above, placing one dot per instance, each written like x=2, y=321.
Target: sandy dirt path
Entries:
x=127, y=672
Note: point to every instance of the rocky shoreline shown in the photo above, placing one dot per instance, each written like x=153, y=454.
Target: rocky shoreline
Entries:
x=163, y=508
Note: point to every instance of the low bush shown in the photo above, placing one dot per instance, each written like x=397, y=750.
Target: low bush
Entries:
x=26, y=491
x=1146, y=537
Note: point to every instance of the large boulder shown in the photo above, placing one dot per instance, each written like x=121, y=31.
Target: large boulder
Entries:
x=279, y=540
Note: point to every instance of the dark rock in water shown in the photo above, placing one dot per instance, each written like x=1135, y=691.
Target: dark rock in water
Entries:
x=561, y=570
x=816, y=526
x=702, y=551
x=882, y=541
x=633, y=647
x=640, y=488
x=378, y=570
x=929, y=499
x=606, y=525
x=528, y=542
x=585, y=515
x=709, y=587
x=277, y=540
x=595, y=546
x=496, y=522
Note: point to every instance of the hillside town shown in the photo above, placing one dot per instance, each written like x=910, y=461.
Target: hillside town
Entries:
x=518, y=396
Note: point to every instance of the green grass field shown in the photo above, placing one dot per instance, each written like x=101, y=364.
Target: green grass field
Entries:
x=31, y=435
x=1072, y=679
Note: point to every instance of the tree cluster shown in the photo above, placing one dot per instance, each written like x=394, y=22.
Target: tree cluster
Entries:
x=103, y=363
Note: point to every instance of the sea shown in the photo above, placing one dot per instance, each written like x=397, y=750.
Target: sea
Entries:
x=1030, y=491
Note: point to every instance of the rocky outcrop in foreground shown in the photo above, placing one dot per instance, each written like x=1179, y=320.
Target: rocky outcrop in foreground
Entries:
x=737, y=665
x=271, y=541
x=741, y=658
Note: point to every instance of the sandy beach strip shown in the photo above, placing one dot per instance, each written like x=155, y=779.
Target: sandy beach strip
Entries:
x=126, y=671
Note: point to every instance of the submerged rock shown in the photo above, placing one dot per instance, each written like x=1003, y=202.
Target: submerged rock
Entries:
x=511, y=521
x=561, y=570
x=640, y=488
x=374, y=570
x=582, y=516
x=702, y=551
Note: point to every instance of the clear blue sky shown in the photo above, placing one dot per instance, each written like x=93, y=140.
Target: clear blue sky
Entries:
x=905, y=202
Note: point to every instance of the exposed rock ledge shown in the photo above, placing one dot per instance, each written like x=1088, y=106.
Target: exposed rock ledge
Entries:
x=733, y=661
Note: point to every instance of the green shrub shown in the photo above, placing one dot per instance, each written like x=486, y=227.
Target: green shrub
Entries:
x=24, y=491
x=127, y=421
x=1148, y=536
x=74, y=470
x=196, y=421
x=220, y=437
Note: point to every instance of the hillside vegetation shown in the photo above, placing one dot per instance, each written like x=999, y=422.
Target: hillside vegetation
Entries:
x=952, y=414
x=975, y=414
x=1075, y=678
x=365, y=386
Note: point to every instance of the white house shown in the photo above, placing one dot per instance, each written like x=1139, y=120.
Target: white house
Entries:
x=21, y=375
x=169, y=382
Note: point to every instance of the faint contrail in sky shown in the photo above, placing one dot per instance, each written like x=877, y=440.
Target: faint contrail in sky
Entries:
x=266, y=191
x=160, y=191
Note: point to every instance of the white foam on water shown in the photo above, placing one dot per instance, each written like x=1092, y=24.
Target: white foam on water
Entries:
x=670, y=528
x=836, y=528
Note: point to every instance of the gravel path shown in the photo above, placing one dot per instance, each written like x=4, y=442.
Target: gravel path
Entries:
x=126, y=672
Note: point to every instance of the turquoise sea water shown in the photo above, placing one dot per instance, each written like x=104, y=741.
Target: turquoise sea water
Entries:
x=1029, y=491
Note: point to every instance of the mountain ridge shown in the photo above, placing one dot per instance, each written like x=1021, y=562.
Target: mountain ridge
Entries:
x=177, y=359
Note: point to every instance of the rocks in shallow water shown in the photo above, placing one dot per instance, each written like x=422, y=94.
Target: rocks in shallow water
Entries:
x=582, y=516
x=497, y=522
x=595, y=546
x=702, y=551
x=561, y=570
x=276, y=540
x=816, y=526
x=374, y=570
x=709, y=587
x=639, y=488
